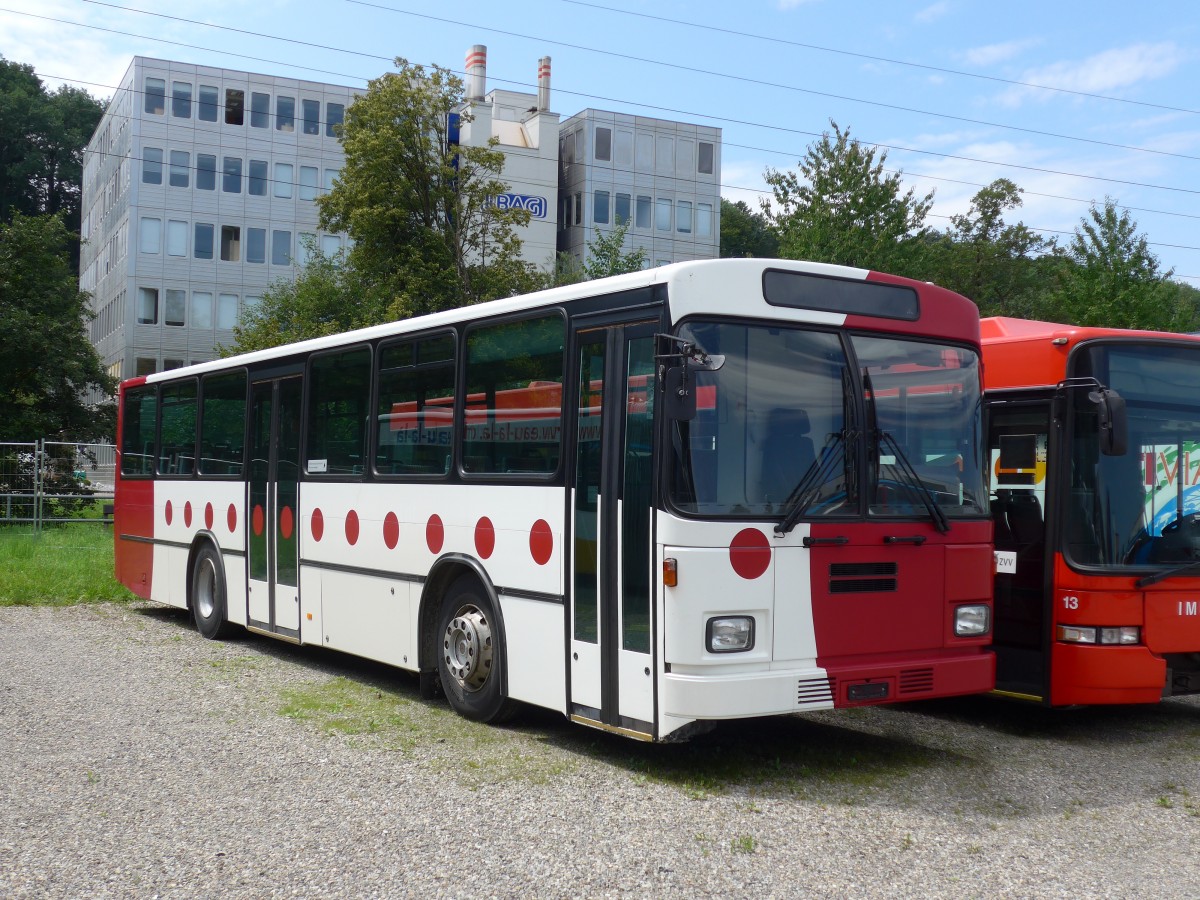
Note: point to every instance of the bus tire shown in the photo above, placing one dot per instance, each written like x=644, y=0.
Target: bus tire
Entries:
x=208, y=594
x=470, y=650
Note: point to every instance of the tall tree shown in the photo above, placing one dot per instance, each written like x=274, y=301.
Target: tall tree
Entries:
x=47, y=363
x=745, y=232
x=840, y=207
x=992, y=262
x=1112, y=279
x=605, y=256
x=427, y=234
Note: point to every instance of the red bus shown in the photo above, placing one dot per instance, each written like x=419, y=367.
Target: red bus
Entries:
x=1094, y=436
x=705, y=491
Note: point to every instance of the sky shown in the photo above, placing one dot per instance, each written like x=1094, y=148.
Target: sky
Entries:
x=1073, y=102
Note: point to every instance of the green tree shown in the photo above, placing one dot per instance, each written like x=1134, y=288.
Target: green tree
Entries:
x=420, y=209
x=605, y=256
x=47, y=363
x=994, y=263
x=841, y=208
x=1110, y=278
x=42, y=139
x=325, y=298
x=745, y=232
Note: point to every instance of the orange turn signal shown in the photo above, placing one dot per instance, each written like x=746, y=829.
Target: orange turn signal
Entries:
x=670, y=572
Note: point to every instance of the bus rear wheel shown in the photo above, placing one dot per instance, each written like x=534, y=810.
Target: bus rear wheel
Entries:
x=471, y=654
x=208, y=594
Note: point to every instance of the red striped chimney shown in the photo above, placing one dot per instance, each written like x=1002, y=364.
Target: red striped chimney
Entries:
x=543, y=84
x=476, y=72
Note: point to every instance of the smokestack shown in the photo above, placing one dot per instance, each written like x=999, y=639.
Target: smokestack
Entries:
x=544, y=84
x=476, y=72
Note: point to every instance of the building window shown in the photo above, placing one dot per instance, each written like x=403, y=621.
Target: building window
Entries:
x=206, y=172
x=257, y=182
x=335, y=115
x=156, y=96
x=643, y=212
x=645, y=152
x=604, y=144
x=227, y=311
x=181, y=164
x=147, y=306
x=260, y=110
x=145, y=366
x=202, y=243
x=181, y=100
x=231, y=243
x=624, y=149
x=177, y=238
x=235, y=106
x=664, y=155
x=621, y=216
x=285, y=113
x=232, y=181
x=578, y=207
x=311, y=111
x=683, y=156
x=202, y=309
x=662, y=214
x=683, y=217
x=331, y=245
x=704, y=220
x=169, y=364
x=600, y=207
x=152, y=159
x=175, y=308
x=249, y=304
x=283, y=180
x=150, y=235
x=208, y=103
x=304, y=246
x=704, y=163
x=330, y=177
x=281, y=248
x=308, y=182
x=256, y=245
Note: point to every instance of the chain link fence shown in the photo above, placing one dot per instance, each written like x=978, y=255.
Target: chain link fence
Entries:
x=47, y=482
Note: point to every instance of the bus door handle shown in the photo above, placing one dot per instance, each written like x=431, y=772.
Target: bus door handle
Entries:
x=917, y=539
x=809, y=541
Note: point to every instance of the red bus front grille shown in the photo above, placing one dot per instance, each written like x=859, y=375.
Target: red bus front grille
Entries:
x=916, y=681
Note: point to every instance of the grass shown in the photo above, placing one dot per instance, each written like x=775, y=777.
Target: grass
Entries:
x=61, y=566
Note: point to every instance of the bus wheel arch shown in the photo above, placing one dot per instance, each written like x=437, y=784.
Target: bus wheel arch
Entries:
x=208, y=589
x=463, y=645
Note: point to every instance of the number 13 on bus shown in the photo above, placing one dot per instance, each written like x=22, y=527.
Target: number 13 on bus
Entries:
x=706, y=491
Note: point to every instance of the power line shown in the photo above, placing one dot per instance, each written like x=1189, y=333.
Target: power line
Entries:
x=899, y=62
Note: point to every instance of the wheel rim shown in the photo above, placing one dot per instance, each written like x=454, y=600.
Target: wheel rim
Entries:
x=206, y=580
x=467, y=648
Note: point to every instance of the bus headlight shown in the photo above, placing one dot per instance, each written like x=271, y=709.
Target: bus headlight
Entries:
x=1122, y=634
x=1107, y=634
x=972, y=621
x=730, y=634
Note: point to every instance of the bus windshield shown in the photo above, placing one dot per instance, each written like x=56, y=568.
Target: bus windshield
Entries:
x=1141, y=508
x=819, y=424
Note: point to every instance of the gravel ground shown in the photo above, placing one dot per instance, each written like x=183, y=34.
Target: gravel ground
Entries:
x=141, y=761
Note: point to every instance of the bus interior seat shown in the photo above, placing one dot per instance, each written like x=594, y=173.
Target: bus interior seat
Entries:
x=1025, y=517
x=787, y=453
x=1001, y=532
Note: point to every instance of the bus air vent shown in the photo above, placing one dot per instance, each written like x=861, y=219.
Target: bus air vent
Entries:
x=862, y=578
x=813, y=691
x=860, y=570
x=862, y=586
x=916, y=681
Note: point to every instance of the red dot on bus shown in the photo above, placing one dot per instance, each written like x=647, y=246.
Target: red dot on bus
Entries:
x=435, y=534
x=391, y=530
x=286, y=523
x=541, y=542
x=352, y=528
x=317, y=525
x=256, y=520
x=170, y=512
x=208, y=516
x=750, y=553
x=485, y=537
x=231, y=518
x=187, y=514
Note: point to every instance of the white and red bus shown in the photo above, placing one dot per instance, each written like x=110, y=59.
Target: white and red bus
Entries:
x=704, y=491
x=1094, y=435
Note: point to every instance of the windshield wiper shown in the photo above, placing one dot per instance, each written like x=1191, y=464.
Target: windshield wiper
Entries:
x=809, y=487
x=1147, y=580
x=910, y=477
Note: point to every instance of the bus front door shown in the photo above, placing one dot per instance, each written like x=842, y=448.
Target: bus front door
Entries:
x=611, y=597
x=272, y=550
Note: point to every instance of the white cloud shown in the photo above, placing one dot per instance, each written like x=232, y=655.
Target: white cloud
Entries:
x=933, y=12
x=1103, y=72
x=997, y=53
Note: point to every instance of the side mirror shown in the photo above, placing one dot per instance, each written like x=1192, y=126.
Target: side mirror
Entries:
x=1114, y=422
x=679, y=394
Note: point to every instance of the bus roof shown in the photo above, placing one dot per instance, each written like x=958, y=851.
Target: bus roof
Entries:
x=696, y=287
x=1029, y=353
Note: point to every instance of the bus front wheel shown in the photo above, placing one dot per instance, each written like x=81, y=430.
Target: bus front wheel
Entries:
x=208, y=594
x=471, y=654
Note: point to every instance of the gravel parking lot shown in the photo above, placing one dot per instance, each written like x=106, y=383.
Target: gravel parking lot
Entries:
x=140, y=760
